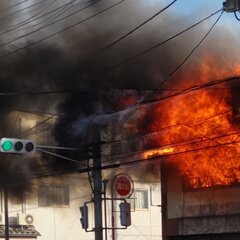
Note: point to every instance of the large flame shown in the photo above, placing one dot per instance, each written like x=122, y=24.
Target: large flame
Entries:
x=198, y=131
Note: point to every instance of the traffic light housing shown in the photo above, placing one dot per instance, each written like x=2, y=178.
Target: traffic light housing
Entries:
x=13, y=145
x=84, y=216
x=125, y=214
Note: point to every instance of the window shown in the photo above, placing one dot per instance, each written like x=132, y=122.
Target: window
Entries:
x=53, y=195
x=141, y=199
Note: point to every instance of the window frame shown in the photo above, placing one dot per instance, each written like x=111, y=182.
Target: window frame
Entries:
x=145, y=205
x=52, y=197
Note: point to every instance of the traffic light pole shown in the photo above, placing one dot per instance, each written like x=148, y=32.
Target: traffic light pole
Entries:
x=6, y=211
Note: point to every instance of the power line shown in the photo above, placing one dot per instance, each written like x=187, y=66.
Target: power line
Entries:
x=51, y=18
x=77, y=91
x=191, y=89
x=34, y=18
x=58, y=32
x=58, y=155
x=159, y=44
x=125, y=61
x=22, y=9
x=138, y=161
x=13, y=5
x=236, y=16
x=188, y=142
x=57, y=148
x=192, y=51
x=148, y=135
x=185, y=91
x=151, y=134
x=17, y=26
x=31, y=93
x=38, y=132
x=38, y=124
x=143, y=161
x=133, y=30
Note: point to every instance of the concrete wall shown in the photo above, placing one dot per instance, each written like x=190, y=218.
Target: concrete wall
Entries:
x=201, y=212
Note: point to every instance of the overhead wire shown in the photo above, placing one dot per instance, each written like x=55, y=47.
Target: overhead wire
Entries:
x=191, y=89
x=60, y=31
x=193, y=150
x=138, y=161
x=22, y=9
x=182, y=143
x=236, y=16
x=57, y=155
x=133, y=30
x=129, y=59
x=189, y=141
x=166, y=128
x=26, y=21
x=36, y=125
x=31, y=19
x=13, y=5
x=102, y=11
x=47, y=21
x=57, y=148
x=185, y=91
x=123, y=62
x=202, y=86
x=151, y=134
x=191, y=52
x=38, y=132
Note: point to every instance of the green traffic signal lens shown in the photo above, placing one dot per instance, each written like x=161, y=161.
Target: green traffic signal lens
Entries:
x=7, y=145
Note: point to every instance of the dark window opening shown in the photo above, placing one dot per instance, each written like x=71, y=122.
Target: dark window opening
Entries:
x=53, y=195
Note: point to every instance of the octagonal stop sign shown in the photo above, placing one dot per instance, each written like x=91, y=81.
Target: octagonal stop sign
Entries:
x=123, y=185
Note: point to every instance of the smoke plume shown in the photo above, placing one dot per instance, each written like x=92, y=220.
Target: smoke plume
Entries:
x=65, y=63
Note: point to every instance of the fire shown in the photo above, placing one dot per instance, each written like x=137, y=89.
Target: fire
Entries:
x=199, y=132
x=157, y=152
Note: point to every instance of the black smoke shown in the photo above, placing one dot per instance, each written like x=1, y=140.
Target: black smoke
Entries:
x=65, y=63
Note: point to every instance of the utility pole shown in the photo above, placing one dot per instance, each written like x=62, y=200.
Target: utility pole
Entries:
x=97, y=173
x=97, y=184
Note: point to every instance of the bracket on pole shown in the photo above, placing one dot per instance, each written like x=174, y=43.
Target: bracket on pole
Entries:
x=231, y=5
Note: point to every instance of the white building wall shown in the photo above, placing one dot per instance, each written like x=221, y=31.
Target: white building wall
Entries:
x=62, y=223
x=146, y=223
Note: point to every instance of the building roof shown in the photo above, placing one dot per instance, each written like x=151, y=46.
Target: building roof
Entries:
x=19, y=231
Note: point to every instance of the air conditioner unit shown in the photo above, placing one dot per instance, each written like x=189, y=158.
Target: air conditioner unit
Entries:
x=2, y=220
x=25, y=219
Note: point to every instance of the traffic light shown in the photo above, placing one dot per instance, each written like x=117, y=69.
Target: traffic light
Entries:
x=125, y=214
x=84, y=216
x=13, y=145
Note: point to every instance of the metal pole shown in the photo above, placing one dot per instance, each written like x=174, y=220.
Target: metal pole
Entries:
x=6, y=212
x=97, y=183
x=105, y=207
x=113, y=220
x=164, y=199
x=97, y=164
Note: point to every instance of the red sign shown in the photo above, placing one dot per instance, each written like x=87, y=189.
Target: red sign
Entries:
x=123, y=185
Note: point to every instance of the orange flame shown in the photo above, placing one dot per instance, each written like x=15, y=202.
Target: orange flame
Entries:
x=201, y=127
x=157, y=152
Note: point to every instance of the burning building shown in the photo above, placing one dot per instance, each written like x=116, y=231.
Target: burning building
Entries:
x=196, y=135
